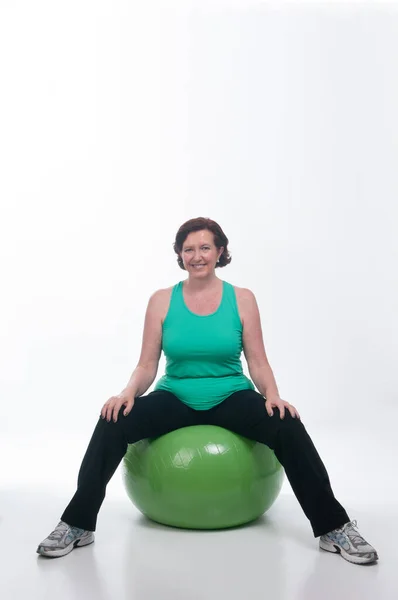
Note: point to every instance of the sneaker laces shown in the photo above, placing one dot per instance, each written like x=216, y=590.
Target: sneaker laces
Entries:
x=59, y=531
x=352, y=533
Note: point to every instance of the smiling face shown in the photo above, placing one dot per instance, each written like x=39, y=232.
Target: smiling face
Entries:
x=199, y=253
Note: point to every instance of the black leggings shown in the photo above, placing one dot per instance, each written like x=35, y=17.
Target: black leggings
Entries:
x=244, y=413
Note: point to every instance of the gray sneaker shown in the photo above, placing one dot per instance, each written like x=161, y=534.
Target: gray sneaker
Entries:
x=350, y=544
x=63, y=540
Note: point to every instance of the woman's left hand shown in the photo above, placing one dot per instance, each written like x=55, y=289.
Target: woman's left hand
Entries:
x=276, y=402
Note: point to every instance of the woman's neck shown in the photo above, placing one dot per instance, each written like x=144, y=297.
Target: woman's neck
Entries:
x=198, y=286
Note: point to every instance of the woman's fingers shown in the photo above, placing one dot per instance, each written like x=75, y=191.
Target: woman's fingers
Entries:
x=129, y=405
x=111, y=409
x=268, y=408
x=116, y=408
x=105, y=409
x=293, y=411
x=281, y=405
x=108, y=410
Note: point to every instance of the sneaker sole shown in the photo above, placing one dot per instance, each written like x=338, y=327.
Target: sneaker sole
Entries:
x=329, y=547
x=63, y=551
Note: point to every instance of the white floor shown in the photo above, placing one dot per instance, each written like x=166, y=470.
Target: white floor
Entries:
x=275, y=557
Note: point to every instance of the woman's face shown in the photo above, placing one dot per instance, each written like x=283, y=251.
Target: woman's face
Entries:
x=199, y=249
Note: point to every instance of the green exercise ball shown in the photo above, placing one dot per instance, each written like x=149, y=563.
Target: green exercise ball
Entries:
x=201, y=477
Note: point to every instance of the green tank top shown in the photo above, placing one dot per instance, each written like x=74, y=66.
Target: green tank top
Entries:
x=203, y=365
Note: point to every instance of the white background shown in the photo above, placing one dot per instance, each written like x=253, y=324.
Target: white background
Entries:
x=121, y=120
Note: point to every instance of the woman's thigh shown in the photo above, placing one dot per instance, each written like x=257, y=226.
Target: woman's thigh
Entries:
x=244, y=413
x=158, y=413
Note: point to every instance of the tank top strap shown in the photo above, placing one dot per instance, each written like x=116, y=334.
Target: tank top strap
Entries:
x=230, y=304
x=176, y=305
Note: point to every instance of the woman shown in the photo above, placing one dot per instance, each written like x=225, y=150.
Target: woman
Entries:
x=202, y=324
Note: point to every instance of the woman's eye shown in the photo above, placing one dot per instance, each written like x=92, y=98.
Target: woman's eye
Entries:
x=204, y=248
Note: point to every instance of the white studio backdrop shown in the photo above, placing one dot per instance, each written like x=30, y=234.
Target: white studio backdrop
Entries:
x=122, y=120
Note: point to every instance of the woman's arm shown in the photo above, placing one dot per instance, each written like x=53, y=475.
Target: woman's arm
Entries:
x=147, y=367
x=257, y=361
x=145, y=372
x=264, y=380
x=253, y=345
x=141, y=379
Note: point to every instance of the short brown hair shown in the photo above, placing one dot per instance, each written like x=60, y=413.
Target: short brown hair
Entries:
x=198, y=224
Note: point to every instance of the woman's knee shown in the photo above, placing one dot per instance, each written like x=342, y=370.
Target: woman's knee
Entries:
x=111, y=427
x=289, y=423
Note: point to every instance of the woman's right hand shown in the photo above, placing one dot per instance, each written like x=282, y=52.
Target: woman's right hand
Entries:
x=112, y=407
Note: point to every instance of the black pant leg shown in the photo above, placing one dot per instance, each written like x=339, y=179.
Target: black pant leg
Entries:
x=244, y=413
x=153, y=415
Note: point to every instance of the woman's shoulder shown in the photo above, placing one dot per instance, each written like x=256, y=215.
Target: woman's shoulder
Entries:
x=162, y=298
x=163, y=294
x=242, y=293
x=245, y=300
